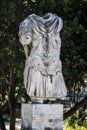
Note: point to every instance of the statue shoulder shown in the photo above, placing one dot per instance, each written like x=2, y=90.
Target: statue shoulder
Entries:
x=25, y=26
x=60, y=23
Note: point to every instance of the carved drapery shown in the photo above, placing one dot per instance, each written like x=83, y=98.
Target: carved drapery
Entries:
x=40, y=37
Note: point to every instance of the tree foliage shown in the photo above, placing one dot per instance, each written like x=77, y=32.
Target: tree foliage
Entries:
x=12, y=59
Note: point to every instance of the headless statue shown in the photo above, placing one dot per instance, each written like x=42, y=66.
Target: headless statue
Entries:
x=40, y=37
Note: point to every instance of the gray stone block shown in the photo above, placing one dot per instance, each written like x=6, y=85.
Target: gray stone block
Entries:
x=42, y=117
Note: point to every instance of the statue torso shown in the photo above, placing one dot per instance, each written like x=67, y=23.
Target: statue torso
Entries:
x=42, y=75
x=46, y=43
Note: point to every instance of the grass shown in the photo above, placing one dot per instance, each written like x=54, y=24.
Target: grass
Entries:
x=66, y=127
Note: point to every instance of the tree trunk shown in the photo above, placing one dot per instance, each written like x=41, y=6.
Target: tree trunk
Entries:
x=2, y=125
x=12, y=118
x=12, y=101
x=12, y=107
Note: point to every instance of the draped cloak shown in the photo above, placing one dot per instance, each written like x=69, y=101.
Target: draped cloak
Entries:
x=43, y=76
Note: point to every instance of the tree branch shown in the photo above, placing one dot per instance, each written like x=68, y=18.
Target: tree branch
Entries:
x=6, y=80
x=75, y=108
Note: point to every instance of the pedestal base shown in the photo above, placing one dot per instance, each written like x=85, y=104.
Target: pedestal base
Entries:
x=42, y=116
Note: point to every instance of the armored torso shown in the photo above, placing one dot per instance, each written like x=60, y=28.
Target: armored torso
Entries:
x=42, y=36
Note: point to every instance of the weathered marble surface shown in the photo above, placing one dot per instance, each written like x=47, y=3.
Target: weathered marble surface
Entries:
x=42, y=117
x=40, y=37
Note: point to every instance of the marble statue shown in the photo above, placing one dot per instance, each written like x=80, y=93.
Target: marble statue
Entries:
x=40, y=37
